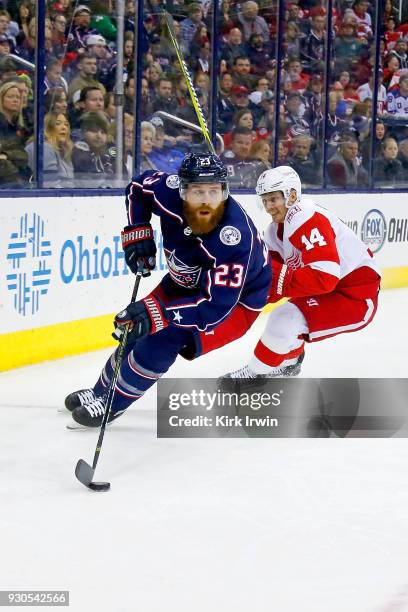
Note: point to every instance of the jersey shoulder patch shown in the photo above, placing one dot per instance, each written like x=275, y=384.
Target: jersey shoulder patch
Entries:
x=173, y=181
x=298, y=214
x=230, y=235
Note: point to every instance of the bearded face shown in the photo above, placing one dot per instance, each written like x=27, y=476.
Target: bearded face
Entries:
x=203, y=207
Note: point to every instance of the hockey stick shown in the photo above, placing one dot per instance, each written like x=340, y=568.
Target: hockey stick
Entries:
x=83, y=471
x=190, y=86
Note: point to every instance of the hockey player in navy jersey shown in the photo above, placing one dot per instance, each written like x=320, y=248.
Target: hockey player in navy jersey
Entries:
x=217, y=282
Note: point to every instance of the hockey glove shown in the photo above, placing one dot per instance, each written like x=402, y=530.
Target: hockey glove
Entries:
x=281, y=276
x=144, y=317
x=138, y=244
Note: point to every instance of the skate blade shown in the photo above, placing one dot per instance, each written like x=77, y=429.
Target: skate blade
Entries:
x=74, y=426
x=63, y=410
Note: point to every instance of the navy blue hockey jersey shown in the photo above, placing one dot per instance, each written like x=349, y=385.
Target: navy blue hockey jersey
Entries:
x=215, y=271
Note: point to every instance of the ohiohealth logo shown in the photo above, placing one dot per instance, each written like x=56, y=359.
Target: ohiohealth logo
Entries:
x=28, y=252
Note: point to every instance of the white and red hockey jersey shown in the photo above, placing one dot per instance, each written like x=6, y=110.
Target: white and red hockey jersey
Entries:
x=314, y=252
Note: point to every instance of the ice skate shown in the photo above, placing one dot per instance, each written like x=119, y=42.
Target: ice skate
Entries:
x=245, y=377
x=91, y=414
x=78, y=398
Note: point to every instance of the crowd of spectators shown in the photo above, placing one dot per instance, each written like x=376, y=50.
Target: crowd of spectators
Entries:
x=308, y=130
x=79, y=123
x=81, y=66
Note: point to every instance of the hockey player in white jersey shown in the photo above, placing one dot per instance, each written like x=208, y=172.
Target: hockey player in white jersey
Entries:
x=330, y=277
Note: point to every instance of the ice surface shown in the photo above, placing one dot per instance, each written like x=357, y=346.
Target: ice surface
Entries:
x=214, y=525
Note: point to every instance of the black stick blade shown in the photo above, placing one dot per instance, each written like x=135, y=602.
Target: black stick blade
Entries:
x=84, y=472
x=99, y=486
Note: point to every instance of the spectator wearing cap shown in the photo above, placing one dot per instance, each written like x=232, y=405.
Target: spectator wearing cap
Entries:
x=243, y=170
x=397, y=99
x=240, y=98
x=164, y=157
x=241, y=72
x=25, y=87
x=6, y=45
x=81, y=29
x=189, y=25
x=252, y=23
x=53, y=75
x=388, y=168
x=400, y=52
x=303, y=161
x=57, y=150
x=232, y=46
x=91, y=99
x=106, y=65
x=294, y=113
x=349, y=50
x=86, y=77
x=8, y=69
x=265, y=114
x=344, y=169
x=313, y=98
x=93, y=157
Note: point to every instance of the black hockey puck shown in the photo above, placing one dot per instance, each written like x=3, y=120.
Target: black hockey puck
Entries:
x=99, y=486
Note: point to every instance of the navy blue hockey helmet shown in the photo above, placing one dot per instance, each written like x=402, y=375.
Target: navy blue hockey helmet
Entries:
x=202, y=168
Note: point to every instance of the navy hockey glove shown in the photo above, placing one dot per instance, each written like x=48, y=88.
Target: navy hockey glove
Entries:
x=145, y=317
x=138, y=244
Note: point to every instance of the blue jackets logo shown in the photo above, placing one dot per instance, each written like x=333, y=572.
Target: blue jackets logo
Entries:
x=29, y=254
x=374, y=230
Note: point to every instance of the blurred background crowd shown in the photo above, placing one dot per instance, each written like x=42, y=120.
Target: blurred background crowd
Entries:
x=315, y=114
